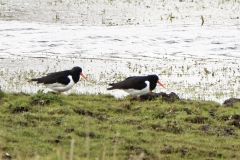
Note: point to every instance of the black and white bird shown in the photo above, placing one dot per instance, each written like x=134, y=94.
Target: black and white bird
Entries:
x=63, y=80
x=137, y=85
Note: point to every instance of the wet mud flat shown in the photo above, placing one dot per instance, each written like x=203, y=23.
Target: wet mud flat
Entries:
x=202, y=79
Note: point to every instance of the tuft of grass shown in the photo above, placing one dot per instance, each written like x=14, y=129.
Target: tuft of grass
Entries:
x=44, y=99
x=49, y=127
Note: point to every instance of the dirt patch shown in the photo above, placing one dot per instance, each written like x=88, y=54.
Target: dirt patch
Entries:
x=133, y=122
x=81, y=111
x=188, y=111
x=54, y=141
x=120, y=110
x=23, y=123
x=20, y=109
x=223, y=118
x=170, y=126
x=90, y=134
x=217, y=130
x=137, y=149
x=21, y=93
x=159, y=115
x=85, y=112
x=234, y=120
x=197, y=119
x=167, y=150
x=235, y=117
x=69, y=130
x=171, y=97
x=186, y=151
x=182, y=150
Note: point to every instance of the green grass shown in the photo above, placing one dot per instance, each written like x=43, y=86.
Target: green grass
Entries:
x=55, y=127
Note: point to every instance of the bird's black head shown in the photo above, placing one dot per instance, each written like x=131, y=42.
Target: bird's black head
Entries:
x=153, y=79
x=76, y=70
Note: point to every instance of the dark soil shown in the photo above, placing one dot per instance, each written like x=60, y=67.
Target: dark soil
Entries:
x=171, y=97
x=229, y=102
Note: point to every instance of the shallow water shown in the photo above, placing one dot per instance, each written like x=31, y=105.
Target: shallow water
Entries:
x=41, y=40
x=196, y=62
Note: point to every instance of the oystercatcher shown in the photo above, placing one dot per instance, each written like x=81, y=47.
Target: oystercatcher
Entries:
x=63, y=80
x=137, y=85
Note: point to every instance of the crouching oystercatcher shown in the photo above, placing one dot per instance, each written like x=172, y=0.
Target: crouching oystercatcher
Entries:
x=137, y=85
x=63, y=80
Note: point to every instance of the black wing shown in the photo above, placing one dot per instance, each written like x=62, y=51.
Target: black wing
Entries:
x=57, y=77
x=137, y=82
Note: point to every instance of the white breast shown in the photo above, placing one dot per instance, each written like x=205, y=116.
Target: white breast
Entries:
x=58, y=87
x=136, y=92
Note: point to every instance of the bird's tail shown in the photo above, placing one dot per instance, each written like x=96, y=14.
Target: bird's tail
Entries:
x=111, y=88
x=34, y=79
x=30, y=80
x=39, y=80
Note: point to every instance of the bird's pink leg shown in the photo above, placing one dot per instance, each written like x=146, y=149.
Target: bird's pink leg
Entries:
x=139, y=99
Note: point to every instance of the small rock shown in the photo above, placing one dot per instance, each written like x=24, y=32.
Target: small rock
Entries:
x=229, y=102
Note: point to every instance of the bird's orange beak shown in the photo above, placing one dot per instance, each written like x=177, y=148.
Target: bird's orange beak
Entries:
x=83, y=76
x=161, y=84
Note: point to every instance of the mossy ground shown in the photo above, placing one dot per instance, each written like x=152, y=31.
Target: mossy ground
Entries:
x=50, y=126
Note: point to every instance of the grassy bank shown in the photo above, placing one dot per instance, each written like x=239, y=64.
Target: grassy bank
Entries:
x=49, y=126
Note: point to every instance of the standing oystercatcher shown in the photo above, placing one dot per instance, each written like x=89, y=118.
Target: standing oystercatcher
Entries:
x=137, y=85
x=61, y=81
